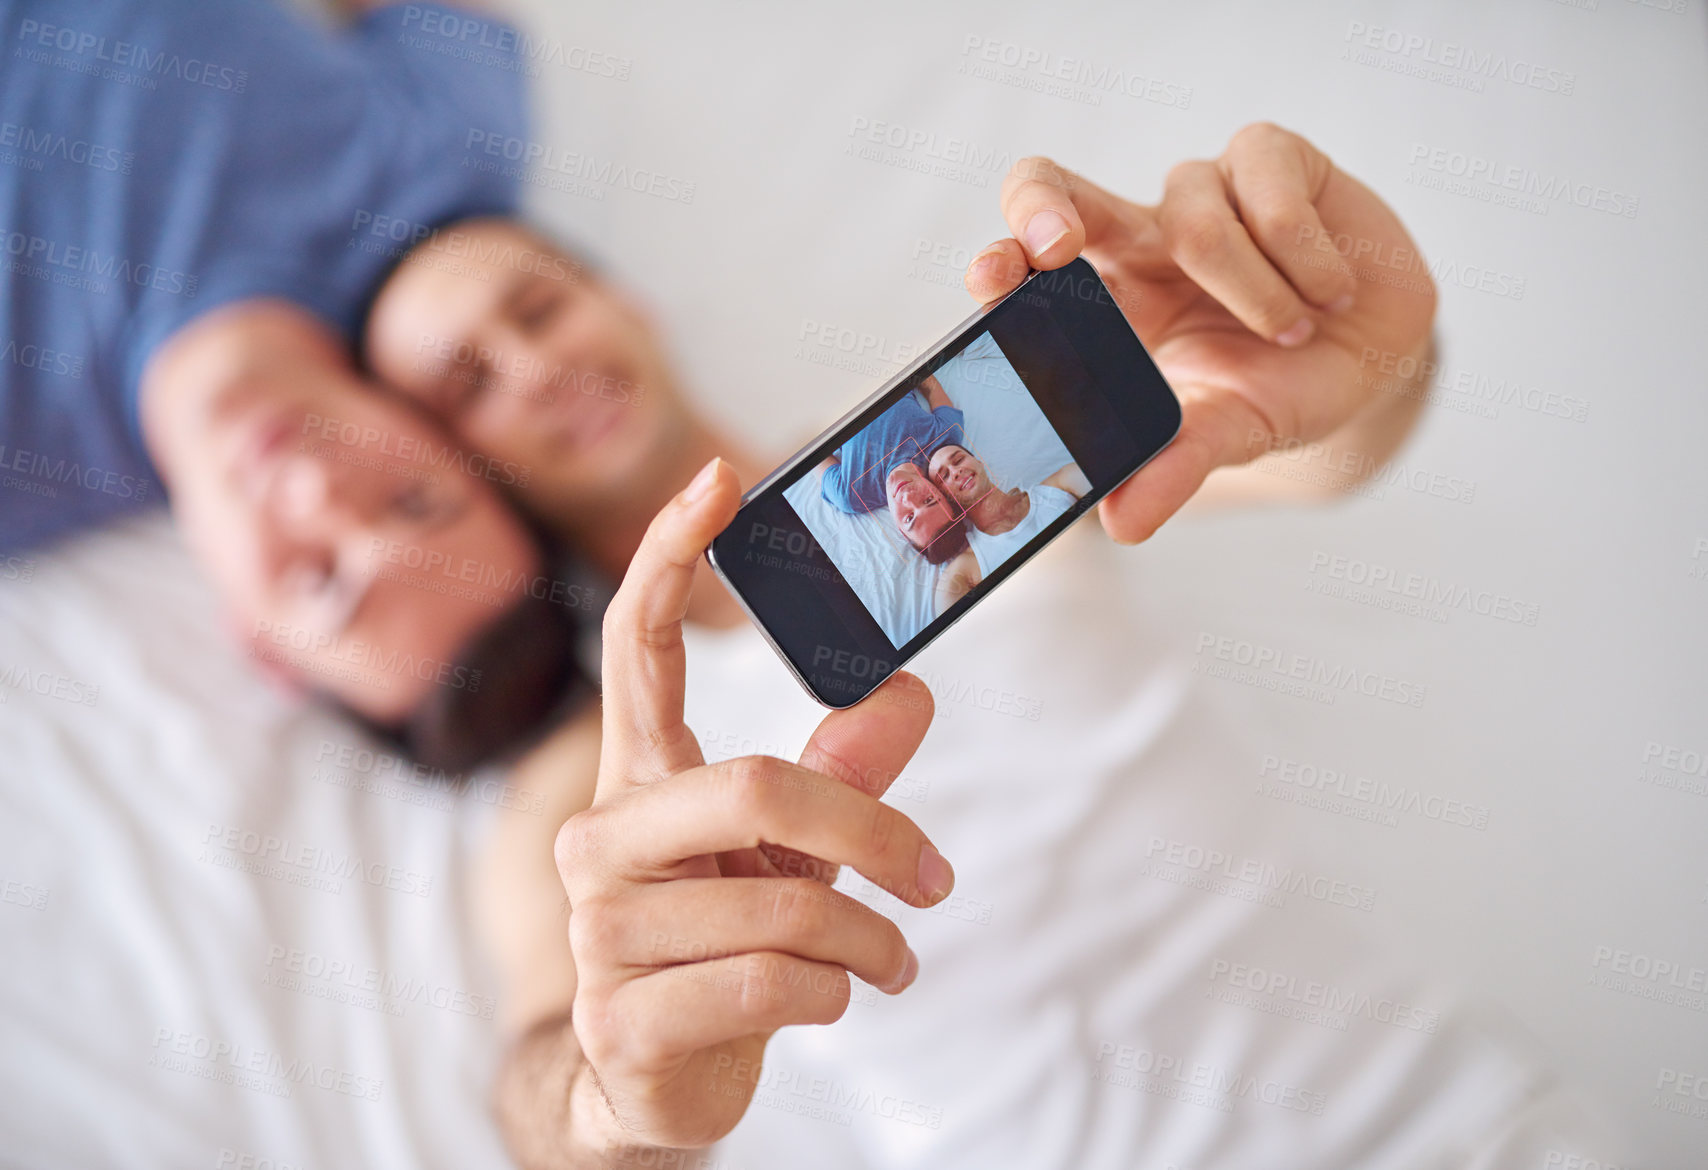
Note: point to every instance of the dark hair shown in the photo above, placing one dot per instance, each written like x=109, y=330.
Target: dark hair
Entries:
x=530, y=676
x=951, y=542
x=529, y=680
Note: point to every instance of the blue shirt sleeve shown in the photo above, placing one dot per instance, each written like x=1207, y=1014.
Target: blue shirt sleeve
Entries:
x=905, y=433
x=243, y=151
x=949, y=425
x=353, y=146
x=463, y=66
x=834, y=487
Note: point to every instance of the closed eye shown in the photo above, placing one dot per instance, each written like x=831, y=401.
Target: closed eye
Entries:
x=420, y=505
x=536, y=308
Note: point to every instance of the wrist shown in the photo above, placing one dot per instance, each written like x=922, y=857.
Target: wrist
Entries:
x=598, y=1137
x=593, y=1127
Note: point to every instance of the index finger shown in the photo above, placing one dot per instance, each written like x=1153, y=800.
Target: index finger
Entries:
x=744, y=803
x=643, y=664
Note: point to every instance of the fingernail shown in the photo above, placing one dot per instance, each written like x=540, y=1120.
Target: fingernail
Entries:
x=1296, y=334
x=702, y=483
x=987, y=260
x=935, y=876
x=1341, y=303
x=908, y=974
x=1043, y=230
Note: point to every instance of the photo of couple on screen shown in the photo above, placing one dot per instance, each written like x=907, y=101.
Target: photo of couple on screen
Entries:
x=948, y=483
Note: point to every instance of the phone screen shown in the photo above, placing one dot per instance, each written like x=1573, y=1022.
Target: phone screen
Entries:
x=859, y=551
x=901, y=500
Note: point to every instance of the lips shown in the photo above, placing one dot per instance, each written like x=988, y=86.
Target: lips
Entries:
x=600, y=421
x=586, y=419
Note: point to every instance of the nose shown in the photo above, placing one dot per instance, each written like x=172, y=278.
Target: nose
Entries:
x=538, y=359
x=315, y=494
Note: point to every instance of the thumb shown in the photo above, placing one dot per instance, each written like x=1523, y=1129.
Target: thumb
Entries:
x=865, y=746
x=1216, y=429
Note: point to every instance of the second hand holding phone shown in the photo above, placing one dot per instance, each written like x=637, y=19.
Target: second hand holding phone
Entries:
x=884, y=531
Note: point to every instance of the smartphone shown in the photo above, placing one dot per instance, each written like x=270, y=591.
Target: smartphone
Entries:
x=884, y=531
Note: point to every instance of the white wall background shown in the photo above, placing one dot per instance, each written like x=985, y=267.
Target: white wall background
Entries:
x=1599, y=522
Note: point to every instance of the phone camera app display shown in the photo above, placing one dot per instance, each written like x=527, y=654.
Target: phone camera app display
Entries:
x=948, y=483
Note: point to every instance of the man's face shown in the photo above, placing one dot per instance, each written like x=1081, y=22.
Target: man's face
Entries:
x=528, y=359
x=957, y=472
x=350, y=548
x=919, y=510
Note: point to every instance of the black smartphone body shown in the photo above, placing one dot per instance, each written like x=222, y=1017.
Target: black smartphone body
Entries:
x=881, y=533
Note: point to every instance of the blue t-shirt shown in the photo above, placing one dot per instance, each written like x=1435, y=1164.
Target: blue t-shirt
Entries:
x=160, y=158
x=907, y=432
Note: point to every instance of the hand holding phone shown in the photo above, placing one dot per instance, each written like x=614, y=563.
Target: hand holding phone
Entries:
x=1276, y=292
x=702, y=919
x=885, y=530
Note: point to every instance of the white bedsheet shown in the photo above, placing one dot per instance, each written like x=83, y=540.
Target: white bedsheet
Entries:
x=228, y=934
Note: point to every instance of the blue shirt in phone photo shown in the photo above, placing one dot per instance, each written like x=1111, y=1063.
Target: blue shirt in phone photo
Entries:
x=905, y=433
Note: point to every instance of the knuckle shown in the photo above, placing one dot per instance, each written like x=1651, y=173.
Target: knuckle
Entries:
x=1260, y=134
x=752, y=784
x=590, y=1019
x=882, y=829
x=1184, y=172
x=1277, y=223
x=797, y=910
x=644, y=1044
x=1197, y=237
x=577, y=842
x=594, y=931
x=620, y=617
x=670, y=743
x=649, y=1044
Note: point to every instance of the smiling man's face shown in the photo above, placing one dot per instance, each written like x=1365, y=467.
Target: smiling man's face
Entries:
x=960, y=474
x=530, y=360
x=334, y=522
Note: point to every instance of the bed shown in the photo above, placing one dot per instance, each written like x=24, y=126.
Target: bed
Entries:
x=234, y=933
